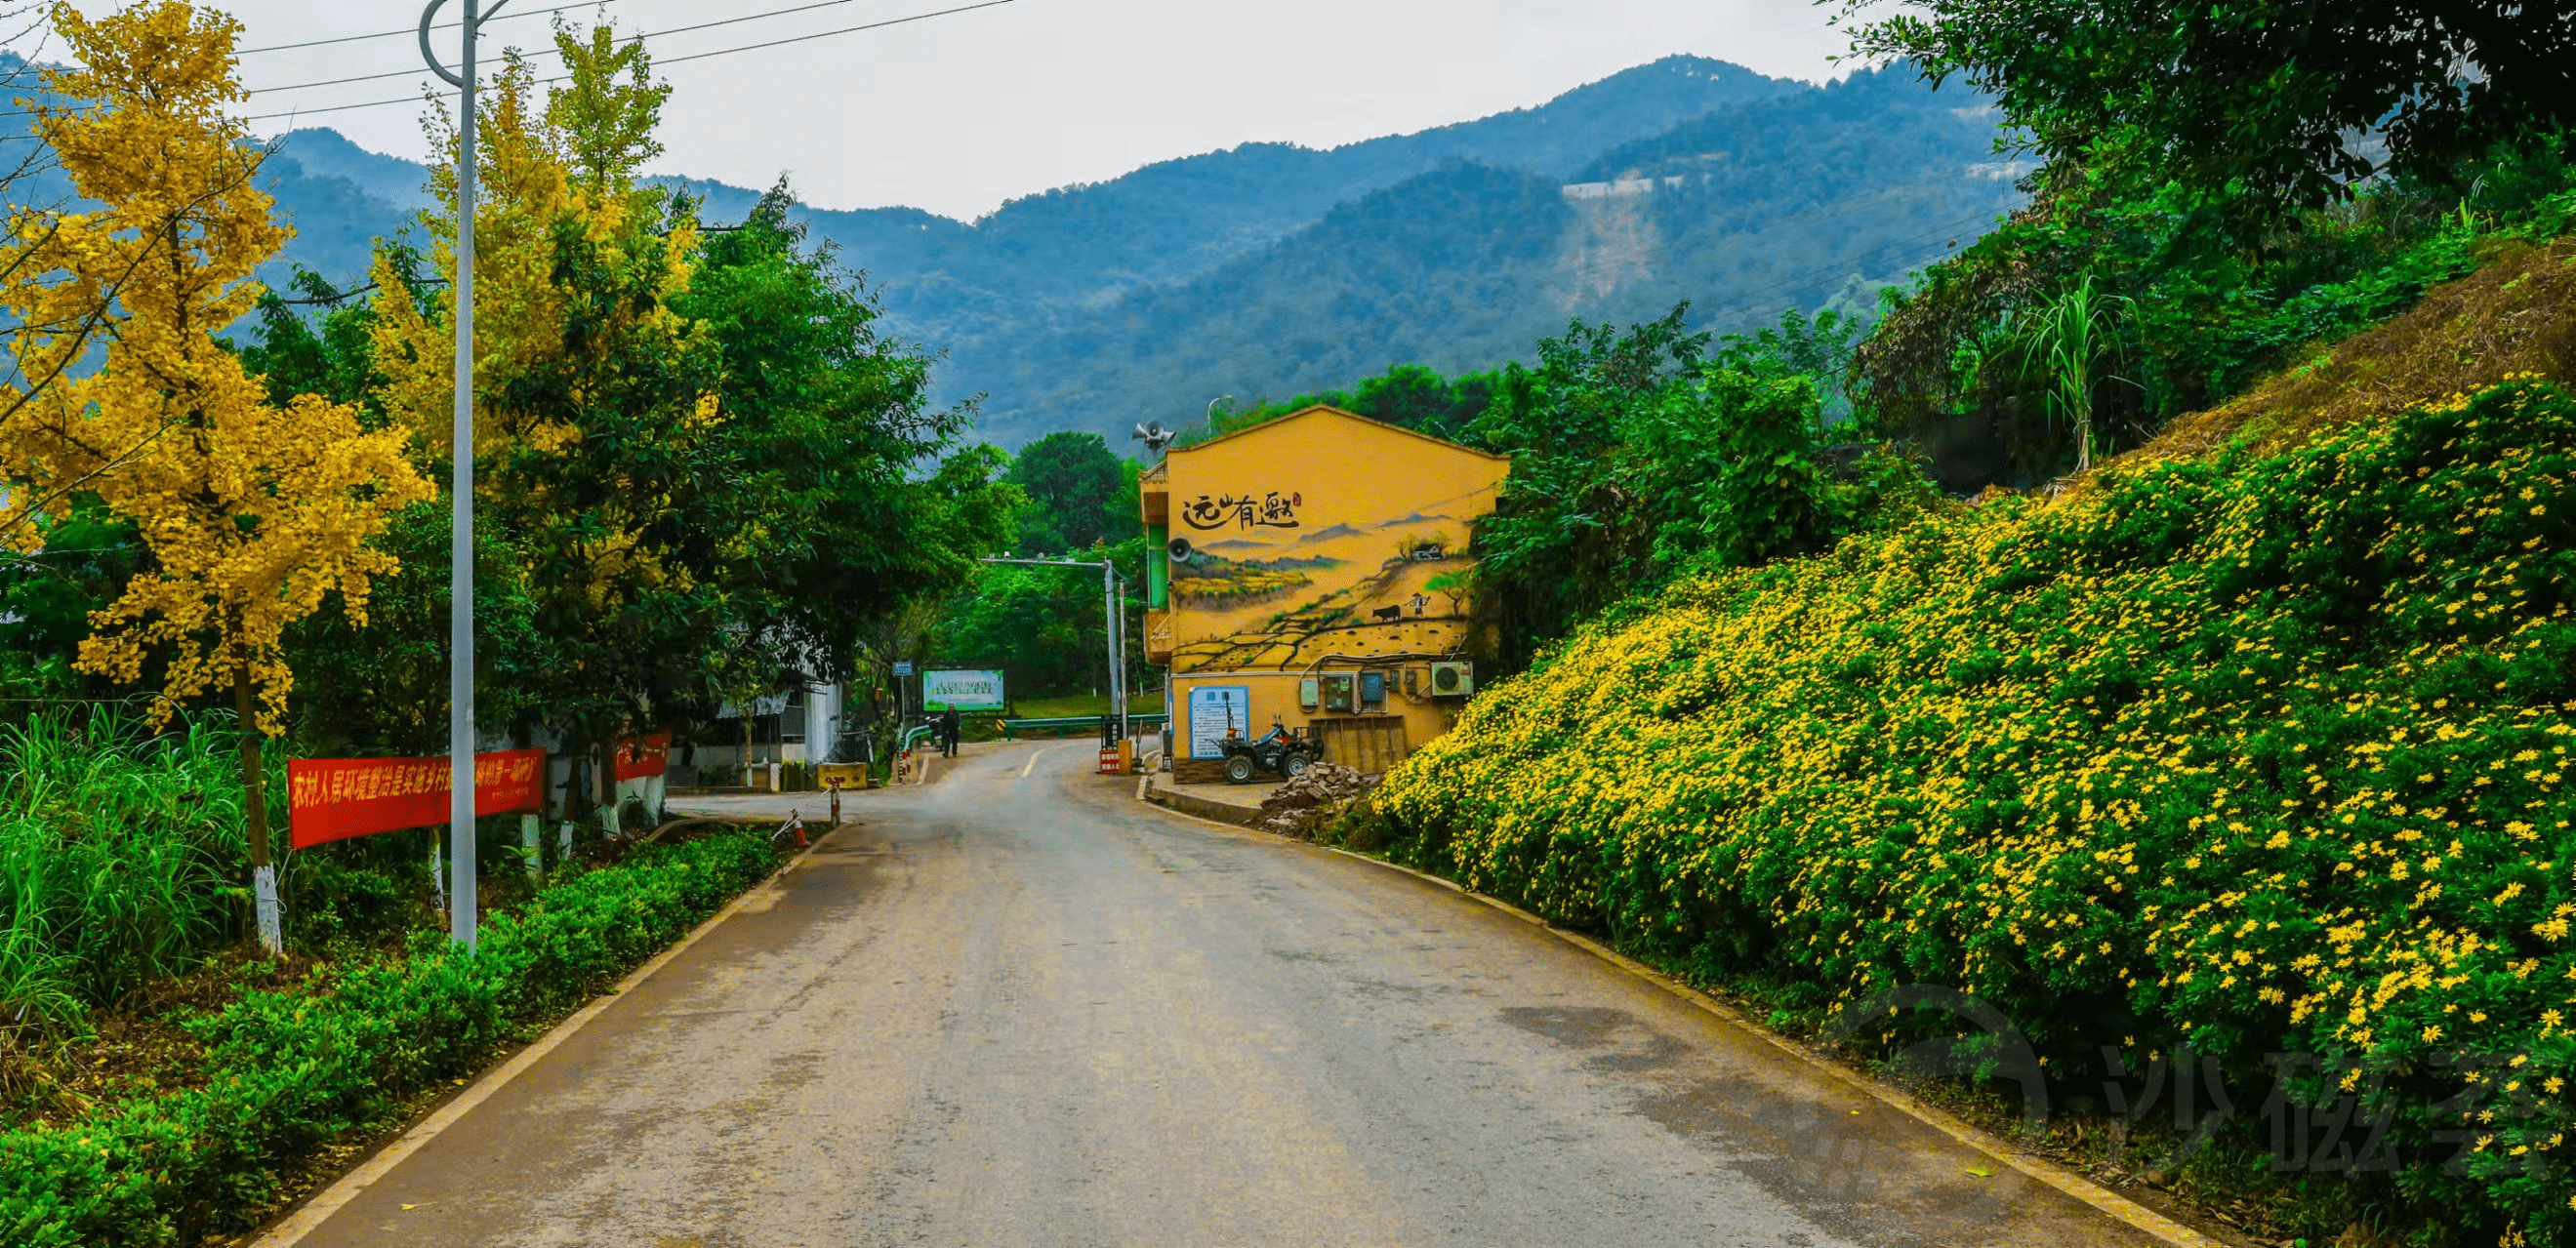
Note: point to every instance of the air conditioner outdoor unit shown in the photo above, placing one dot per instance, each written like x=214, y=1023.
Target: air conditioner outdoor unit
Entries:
x=1453, y=680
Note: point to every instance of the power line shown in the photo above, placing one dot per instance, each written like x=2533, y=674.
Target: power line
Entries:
x=409, y=30
x=826, y=34
x=676, y=30
x=694, y=56
x=674, y=60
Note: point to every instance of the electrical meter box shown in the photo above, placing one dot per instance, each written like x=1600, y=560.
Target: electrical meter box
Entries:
x=1340, y=694
x=1307, y=693
x=1372, y=690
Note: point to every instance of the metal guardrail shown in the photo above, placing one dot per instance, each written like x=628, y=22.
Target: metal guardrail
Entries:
x=1069, y=723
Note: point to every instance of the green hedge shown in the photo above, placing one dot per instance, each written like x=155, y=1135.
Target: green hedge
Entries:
x=292, y=1070
x=2262, y=753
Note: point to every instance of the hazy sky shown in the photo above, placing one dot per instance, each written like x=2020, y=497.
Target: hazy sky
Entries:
x=958, y=113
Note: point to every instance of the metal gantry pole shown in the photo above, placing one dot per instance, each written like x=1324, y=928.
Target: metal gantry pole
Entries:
x=1113, y=618
x=460, y=606
x=1109, y=619
x=1118, y=638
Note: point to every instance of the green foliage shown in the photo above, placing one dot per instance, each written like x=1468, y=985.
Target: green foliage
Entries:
x=2203, y=320
x=2275, y=102
x=1634, y=457
x=2070, y=342
x=1044, y=626
x=288, y=1070
x=46, y=598
x=116, y=850
x=1079, y=493
x=853, y=493
x=120, y=854
x=364, y=690
x=827, y=497
x=1818, y=348
x=2268, y=753
x=1406, y=395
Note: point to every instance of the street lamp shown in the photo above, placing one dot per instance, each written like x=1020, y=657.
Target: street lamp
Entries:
x=460, y=602
x=1117, y=625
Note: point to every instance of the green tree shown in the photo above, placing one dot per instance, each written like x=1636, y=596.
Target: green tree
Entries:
x=1635, y=457
x=1421, y=399
x=2281, y=102
x=1818, y=348
x=363, y=687
x=1078, y=492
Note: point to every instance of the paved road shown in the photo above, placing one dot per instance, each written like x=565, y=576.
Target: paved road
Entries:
x=1017, y=1008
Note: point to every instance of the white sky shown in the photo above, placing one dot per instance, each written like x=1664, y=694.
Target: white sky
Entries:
x=956, y=114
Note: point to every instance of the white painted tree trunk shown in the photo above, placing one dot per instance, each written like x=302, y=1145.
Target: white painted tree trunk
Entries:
x=263, y=883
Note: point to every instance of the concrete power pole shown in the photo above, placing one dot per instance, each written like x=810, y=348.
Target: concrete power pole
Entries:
x=460, y=606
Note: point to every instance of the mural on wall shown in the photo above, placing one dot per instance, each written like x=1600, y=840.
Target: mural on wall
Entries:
x=1266, y=587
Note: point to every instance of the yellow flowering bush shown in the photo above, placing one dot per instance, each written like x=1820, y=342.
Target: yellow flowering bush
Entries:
x=2258, y=753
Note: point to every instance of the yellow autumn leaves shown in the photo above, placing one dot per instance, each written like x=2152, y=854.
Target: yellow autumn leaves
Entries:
x=253, y=513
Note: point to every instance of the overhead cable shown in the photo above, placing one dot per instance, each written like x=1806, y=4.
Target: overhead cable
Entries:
x=676, y=30
x=409, y=30
x=672, y=60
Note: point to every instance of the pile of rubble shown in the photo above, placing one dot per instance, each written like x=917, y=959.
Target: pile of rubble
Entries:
x=1305, y=804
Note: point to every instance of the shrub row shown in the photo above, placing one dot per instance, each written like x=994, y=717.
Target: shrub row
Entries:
x=2255, y=754
x=290, y=1070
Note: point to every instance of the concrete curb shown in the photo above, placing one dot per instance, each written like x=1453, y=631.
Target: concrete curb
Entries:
x=319, y=1207
x=2102, y=1199
x=1195, y=806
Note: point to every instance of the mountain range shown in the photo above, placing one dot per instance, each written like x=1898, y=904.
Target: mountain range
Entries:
x=1271, y=269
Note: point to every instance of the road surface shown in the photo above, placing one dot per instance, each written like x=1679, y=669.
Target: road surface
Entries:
x=1017, y=1008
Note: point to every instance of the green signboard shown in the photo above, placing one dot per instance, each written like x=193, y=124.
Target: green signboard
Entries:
x=971, y=690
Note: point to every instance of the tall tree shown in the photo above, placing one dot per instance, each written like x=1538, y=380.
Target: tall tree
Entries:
x=2285, y=101
x=253, y=512
x=596, y=405
x=1076, y=492
x=827, y=428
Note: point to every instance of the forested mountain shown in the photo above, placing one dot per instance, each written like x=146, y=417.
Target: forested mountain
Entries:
x=1270, y=268
x=1794, y=201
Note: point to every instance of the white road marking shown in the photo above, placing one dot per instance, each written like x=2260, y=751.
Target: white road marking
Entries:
x=1033, y=760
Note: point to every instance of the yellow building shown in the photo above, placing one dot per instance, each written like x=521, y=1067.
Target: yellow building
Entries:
x=1314, y=577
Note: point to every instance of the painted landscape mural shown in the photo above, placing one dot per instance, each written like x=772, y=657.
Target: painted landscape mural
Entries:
x=1273, y=581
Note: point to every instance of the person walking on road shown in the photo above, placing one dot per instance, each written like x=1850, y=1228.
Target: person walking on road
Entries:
x=949, y=724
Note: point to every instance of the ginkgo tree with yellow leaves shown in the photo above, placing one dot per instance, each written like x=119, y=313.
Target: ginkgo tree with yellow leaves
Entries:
x=254, y=513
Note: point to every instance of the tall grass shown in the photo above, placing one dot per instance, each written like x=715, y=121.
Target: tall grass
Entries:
x=119, y=852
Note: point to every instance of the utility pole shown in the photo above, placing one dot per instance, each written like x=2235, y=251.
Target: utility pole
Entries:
x=460, y=602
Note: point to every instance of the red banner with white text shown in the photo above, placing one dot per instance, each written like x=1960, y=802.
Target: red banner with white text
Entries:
x=644, y=758
x=333, y=799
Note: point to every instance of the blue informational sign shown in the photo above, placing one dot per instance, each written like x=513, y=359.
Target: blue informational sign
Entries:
x=902, y=667
x=1213, y=710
